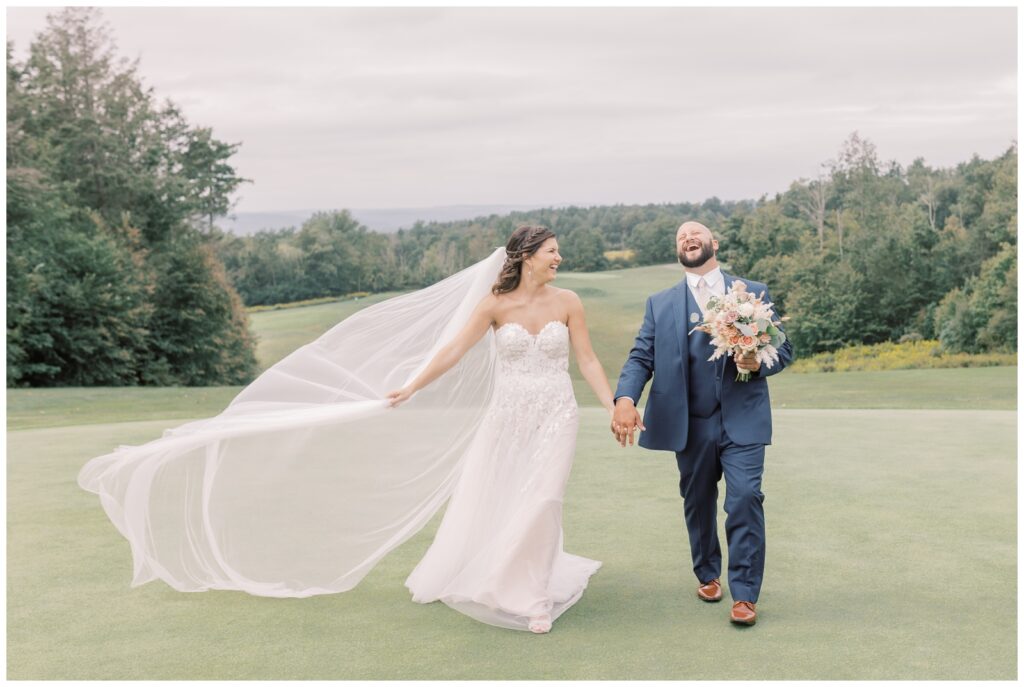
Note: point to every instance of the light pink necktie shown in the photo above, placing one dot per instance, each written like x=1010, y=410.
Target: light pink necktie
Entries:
x=703, y=294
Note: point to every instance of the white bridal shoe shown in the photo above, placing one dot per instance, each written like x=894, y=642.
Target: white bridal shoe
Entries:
x=541, y=624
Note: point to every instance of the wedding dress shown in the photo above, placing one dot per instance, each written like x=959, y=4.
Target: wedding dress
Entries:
x=498, y=553
x=308, y=477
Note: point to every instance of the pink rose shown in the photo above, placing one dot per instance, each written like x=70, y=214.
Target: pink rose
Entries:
x=731, y=316
x=747, y=341
x=765, y=338
x=733, y=340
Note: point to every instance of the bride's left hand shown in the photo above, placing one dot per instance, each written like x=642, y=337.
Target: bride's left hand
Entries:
x=397, y=397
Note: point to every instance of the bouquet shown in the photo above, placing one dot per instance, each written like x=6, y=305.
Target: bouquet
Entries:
x=739, y=323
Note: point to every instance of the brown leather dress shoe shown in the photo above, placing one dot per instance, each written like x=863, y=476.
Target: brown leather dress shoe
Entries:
x=743, y=613
x=710, y=591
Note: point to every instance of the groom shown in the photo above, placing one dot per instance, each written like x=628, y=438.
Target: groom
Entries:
x=714, y=424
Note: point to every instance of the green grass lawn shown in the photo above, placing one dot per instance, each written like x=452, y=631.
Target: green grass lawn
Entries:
x=279, y=332
x=890, y=504
x=891, y=554
x=979, y=388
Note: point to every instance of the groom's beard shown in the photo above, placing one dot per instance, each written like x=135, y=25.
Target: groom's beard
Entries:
x=706, y=253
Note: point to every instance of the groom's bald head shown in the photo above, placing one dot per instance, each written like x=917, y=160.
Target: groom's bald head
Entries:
x=696, y=245
x=693, y=227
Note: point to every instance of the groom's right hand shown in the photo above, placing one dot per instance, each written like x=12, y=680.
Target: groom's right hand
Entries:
x=625, y=420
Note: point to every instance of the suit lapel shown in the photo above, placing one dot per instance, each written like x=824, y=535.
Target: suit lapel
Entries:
x=728, y=280
x=680, y=310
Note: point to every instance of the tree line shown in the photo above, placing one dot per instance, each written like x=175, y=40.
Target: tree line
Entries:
x=869, y=251
x=117, y=275
x=331, y=254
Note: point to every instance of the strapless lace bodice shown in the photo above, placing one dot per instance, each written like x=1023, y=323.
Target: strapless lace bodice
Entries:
x=543, y=353
x=532, y=385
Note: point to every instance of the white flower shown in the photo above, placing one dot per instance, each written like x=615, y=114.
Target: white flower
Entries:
x=745, y=309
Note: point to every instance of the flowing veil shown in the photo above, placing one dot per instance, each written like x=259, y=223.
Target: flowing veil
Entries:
x=308, y=478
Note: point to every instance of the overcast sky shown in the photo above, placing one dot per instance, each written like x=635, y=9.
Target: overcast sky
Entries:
x=415, y=107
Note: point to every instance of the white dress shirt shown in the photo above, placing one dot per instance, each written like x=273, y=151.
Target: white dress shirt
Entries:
x=714, y=280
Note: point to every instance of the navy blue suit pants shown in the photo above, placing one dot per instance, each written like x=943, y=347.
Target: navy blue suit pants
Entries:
x=709, y=453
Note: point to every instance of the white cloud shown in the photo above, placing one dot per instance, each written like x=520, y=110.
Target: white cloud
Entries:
x=418, y=107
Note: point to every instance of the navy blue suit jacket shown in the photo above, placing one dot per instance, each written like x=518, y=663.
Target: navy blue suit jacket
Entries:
x=661, y=351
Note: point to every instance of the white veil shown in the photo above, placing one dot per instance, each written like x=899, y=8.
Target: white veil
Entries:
x=308, y=478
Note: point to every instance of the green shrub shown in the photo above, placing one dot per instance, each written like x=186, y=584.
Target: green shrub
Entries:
x=908, y=355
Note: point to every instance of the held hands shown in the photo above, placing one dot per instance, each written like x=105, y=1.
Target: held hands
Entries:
x=400, y=396
x=625, y=420
x=749, y=362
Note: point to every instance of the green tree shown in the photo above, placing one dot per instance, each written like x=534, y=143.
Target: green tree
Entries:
x=110, y=147
x=199, y=328
x=104, y=189
x=982, y=315
x=826, y=306
x=330, y=260
x=210, y=179
x=583, y=251
x=77, y=305
x=654, y=241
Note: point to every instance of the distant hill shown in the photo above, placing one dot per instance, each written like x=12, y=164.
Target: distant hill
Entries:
x=385, y=220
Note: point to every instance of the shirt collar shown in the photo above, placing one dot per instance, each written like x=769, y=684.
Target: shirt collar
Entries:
x=713, y=278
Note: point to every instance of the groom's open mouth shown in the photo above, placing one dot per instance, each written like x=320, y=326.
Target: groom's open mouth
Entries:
x=693, y=247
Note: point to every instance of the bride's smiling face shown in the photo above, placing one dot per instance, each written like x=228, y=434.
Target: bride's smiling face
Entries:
x=543, y=265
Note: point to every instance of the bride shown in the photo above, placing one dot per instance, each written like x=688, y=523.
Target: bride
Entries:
x=316, y=470
x=498, y=553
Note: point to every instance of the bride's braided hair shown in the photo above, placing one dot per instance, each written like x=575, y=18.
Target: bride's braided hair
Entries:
x=524, y=242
